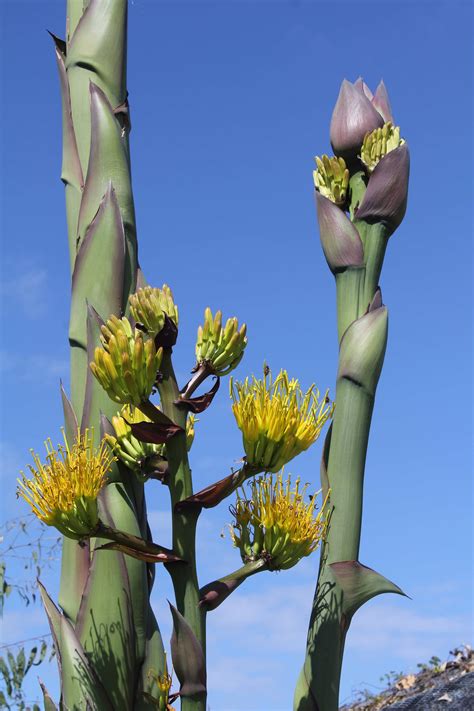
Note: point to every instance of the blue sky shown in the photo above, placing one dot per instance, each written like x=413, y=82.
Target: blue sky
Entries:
x=230, y=102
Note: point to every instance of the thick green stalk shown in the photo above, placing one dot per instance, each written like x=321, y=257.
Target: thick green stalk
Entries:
x=104, y=594
x=361, y=357
x=184, y=577
x=349, y=283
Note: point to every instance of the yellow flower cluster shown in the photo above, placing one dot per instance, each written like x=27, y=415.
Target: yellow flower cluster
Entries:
x=276, y=524
x=277, y=420
x=63, y=492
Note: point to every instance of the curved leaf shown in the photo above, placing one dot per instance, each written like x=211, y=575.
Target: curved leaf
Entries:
x=79, y=681
x=359, y=584
x=188, y=657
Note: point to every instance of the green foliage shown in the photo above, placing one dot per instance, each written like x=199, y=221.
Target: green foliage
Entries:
x=13, y=670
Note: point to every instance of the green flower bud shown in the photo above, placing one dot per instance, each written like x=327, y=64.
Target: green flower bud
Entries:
x=127, y=365
x=220, y=348
x=149, y=305
x=331, y=179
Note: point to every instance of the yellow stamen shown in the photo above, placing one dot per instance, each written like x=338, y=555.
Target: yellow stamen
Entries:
x=277, y=420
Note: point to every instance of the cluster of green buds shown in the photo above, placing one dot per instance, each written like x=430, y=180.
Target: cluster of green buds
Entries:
x=331, y=178
x=150, y=305
x=127, y=365
x=276, y=524
x=277, y=420
x=63, y=492
x=141, y=457
x=218, y=347
x=378, y=143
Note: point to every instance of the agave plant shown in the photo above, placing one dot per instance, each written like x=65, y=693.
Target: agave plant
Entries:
x=129, y=422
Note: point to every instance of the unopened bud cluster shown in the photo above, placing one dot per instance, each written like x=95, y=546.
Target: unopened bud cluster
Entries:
x=220, y=347
x=331, y=178
x=137, y=455
x=378, y=143
x=127, y=365
x=276, y=524
x=149, y=306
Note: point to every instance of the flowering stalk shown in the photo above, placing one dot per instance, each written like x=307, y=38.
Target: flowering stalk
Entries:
x=362, y=132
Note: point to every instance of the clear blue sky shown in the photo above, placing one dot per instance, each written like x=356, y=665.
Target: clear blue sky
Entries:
x=230, y=102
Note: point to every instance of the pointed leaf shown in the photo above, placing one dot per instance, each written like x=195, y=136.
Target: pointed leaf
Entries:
x=70, y=420
x=97, y=277
x=200, y=403
x=154, y=432
x=108, y=157
x=71, y=172
x=49, y=704
x=79, y=680
x=360, y=584
x=118, y=508
x=105, y=626
x=99, y=42
x=95, y=397
x=187, y=655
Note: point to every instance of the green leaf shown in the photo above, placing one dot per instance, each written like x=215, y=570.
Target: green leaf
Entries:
x=49, y=704
x=188, y=657
x=108, y=160
x=359, y=584
x=98, y=280
x=105, y=626
x=95, y=55
x=80, y=683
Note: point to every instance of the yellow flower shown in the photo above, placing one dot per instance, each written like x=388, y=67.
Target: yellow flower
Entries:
x=277, y=420
x=163, y=682
x=127, y=365
x=276, y=524
x=63, y=492
x=331, y=178
x=378, y=143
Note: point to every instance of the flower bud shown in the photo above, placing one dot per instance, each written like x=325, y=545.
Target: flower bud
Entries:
x=385, y=199
x=331, y=179
x=148, y=307
x=221, y=348
x=378, y=143
x=362, y=349
x=352, y=118
x=340, y=240
x=143, y=458
x=382, y=102
x=126, y=366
